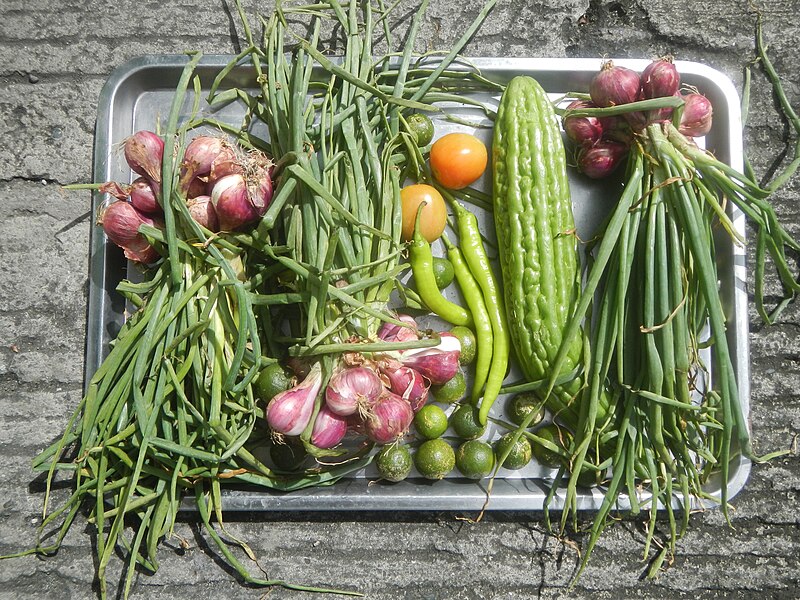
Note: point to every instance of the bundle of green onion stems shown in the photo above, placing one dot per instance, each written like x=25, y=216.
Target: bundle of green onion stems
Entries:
x=171, y=412
x=659, y=342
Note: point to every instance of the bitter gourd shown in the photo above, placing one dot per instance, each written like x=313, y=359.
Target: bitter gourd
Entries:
x=535, y=227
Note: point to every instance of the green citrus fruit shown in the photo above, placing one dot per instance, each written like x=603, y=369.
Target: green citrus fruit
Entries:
x=287, y=457
x=421, y=127
x=430, y=422
x=475, y=459
x=464, y=422
x=452, y=391
x=469, y=343
x=521, y=405
x=394, y=462
x=556, y=435
x=435, y=459
x=520, y=454
x=443, y=272
x=272, y=380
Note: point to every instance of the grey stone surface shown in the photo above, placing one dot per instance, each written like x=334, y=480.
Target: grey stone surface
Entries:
x=54, y=58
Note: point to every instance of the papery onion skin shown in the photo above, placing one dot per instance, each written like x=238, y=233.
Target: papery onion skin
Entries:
x=389, y=419
x=409, y=384
x=352, y=389
x=582, y=130
x=601, y=160
x=121, y=221
x=660, y=79
x=329, y=428
x=232, y=203
x=144, y=151
x=438, y=364
x=289, y=412
x=614, y=86
x=202, y=210
x=697, y=116
x=143, y=196
x=391, y=332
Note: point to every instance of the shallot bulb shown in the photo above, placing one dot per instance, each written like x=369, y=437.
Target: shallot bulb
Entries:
x=391, y=332
x=121, y=221
x=697, y=115
x=602, y=159
x=614, y=86
x=201, y=153
x=438, y=364
x=329, y=428
x=202, y=210
x=143, y=196
x=197, y=187
x=409, y=384
x=144, y=151
x=660, y=79
x=120, y=192
x=582, y=130
x=389, y=418
x=289, y=412
x=232, y=203
x=353, y=390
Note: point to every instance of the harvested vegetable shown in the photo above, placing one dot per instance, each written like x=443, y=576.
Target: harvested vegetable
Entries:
x=458, y=160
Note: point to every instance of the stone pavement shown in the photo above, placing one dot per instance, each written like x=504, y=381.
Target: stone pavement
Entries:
x=54, y=58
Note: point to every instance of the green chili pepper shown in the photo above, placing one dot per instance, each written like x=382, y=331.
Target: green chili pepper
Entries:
x=480, y=316
x=481, y=268
x=421, y=259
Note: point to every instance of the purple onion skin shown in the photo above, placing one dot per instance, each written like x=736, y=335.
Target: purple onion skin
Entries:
x=390, y=332
x=601, y=160
x=143, y=196
x=202, y=210
x=144, y=151
x=660, y=79
x=352, y=389
x=329, y=428
x=697, y=116
x=121, y=221
x=583, y=130
x=120, y=192
x=410, y=385
x=614, y=86
x=616, y=129
x=289, y=412
x=389, y=418
x=232, y=203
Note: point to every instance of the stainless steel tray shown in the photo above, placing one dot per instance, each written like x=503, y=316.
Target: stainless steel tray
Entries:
x=139, y=94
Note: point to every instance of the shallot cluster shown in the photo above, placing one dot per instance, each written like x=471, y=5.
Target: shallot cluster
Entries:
x=602, y=143
x=376, y=397
x=224, y=189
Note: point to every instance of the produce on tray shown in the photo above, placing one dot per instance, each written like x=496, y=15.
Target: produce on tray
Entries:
x=280, y=334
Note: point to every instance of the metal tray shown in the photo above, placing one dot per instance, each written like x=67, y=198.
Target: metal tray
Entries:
x=139, y=94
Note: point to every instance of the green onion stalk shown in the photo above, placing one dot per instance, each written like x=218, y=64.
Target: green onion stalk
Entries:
x=659, y=335
x=171, y=417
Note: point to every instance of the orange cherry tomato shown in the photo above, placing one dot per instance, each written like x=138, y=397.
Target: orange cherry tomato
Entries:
x=433, y=217
x=458, y=159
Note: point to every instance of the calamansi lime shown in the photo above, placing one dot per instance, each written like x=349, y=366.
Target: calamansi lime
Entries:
x=394, y=462
x=469, y=344
x=421, y=127
x=430, y=422
x=475, y=459
x=519, y=455
x=434, y=459
x=272, y=380
x=452, y=391
x=443, y=272
x=521, y=405
x=464, y=422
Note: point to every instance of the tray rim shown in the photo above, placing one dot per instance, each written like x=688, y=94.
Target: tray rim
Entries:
x=506, y=492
